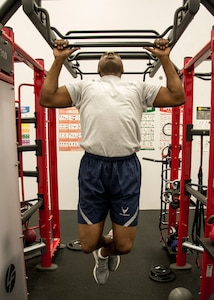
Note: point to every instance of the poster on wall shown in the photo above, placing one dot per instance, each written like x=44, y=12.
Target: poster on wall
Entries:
x=25, y=127
x=148, y=130
x=69, y=129
x=166, y=126
x=202, y=122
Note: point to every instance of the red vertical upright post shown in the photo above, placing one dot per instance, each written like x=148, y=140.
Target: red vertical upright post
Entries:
x=207, y=281
x=53, y=177
x=172, y=219
x=45, y=229
x=185, y=166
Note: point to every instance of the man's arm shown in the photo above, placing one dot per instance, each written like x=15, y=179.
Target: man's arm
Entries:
x=173, y=94
x=52, y=95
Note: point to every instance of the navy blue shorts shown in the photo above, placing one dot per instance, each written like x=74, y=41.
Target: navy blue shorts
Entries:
x=109, y=185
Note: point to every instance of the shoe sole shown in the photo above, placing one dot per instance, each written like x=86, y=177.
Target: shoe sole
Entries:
x=96, y=262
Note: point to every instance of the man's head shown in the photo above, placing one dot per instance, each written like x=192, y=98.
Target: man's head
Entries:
x=110, y=63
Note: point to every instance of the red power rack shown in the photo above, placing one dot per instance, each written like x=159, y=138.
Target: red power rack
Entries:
x=207, y=278
x=46, y=154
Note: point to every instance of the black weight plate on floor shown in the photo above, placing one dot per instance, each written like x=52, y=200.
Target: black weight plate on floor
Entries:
x=160, y=270
x=74, y=245
x=161, y=273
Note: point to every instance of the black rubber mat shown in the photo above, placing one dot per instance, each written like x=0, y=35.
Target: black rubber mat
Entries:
x=73, y=279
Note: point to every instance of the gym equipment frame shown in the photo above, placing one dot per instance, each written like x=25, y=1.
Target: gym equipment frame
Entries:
x=46, y=171
x=186, y=188
x=182, y=18
x=12, y=267
x=124, y=38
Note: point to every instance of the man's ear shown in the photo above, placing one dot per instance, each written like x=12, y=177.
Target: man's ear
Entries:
x=98, y=70
x=122, y=69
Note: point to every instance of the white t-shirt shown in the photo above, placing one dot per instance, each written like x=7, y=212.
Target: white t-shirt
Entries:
x=110, y=113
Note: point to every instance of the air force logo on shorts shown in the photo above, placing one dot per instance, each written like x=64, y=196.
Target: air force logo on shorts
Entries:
x=124, y=212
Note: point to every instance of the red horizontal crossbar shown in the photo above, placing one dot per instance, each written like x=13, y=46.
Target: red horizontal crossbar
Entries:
x=201, y=56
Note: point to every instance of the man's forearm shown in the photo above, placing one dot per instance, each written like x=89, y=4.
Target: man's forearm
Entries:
x=50, y=84
x=174, y=83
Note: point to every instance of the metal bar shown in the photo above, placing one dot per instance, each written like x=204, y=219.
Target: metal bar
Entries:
x=117, y=34
x=28, y=120
x=209, y=5
x=40, y=19
x=32, y=210
x=42, y=164
x=190, y=132
x=127, y=73
x=6, y=78
x=175, y=161
x=155, y=33
x=53, y=173
x=153, y=160
x=200, y=132
x=27, y=148
x=123, y=54
x=124, y=44
x=207, y=281
x=201, y=56
x=7, y=9
x=30, y=174
x=185, y=166
x=34, y=247
x=19, y=138
x=182, y=18
x=193, y=247
x=196, y=194
x=22, y=56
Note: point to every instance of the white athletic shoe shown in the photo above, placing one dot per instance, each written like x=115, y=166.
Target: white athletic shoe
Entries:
x=101, y=269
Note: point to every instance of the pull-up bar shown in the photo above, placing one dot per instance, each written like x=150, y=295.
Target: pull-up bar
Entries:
x=121, y=38
x=123, y=54
x=112, y=34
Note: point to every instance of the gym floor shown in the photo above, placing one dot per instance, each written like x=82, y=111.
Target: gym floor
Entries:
x=73, y=278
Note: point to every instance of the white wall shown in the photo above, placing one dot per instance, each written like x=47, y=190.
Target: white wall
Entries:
x=68, y=15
